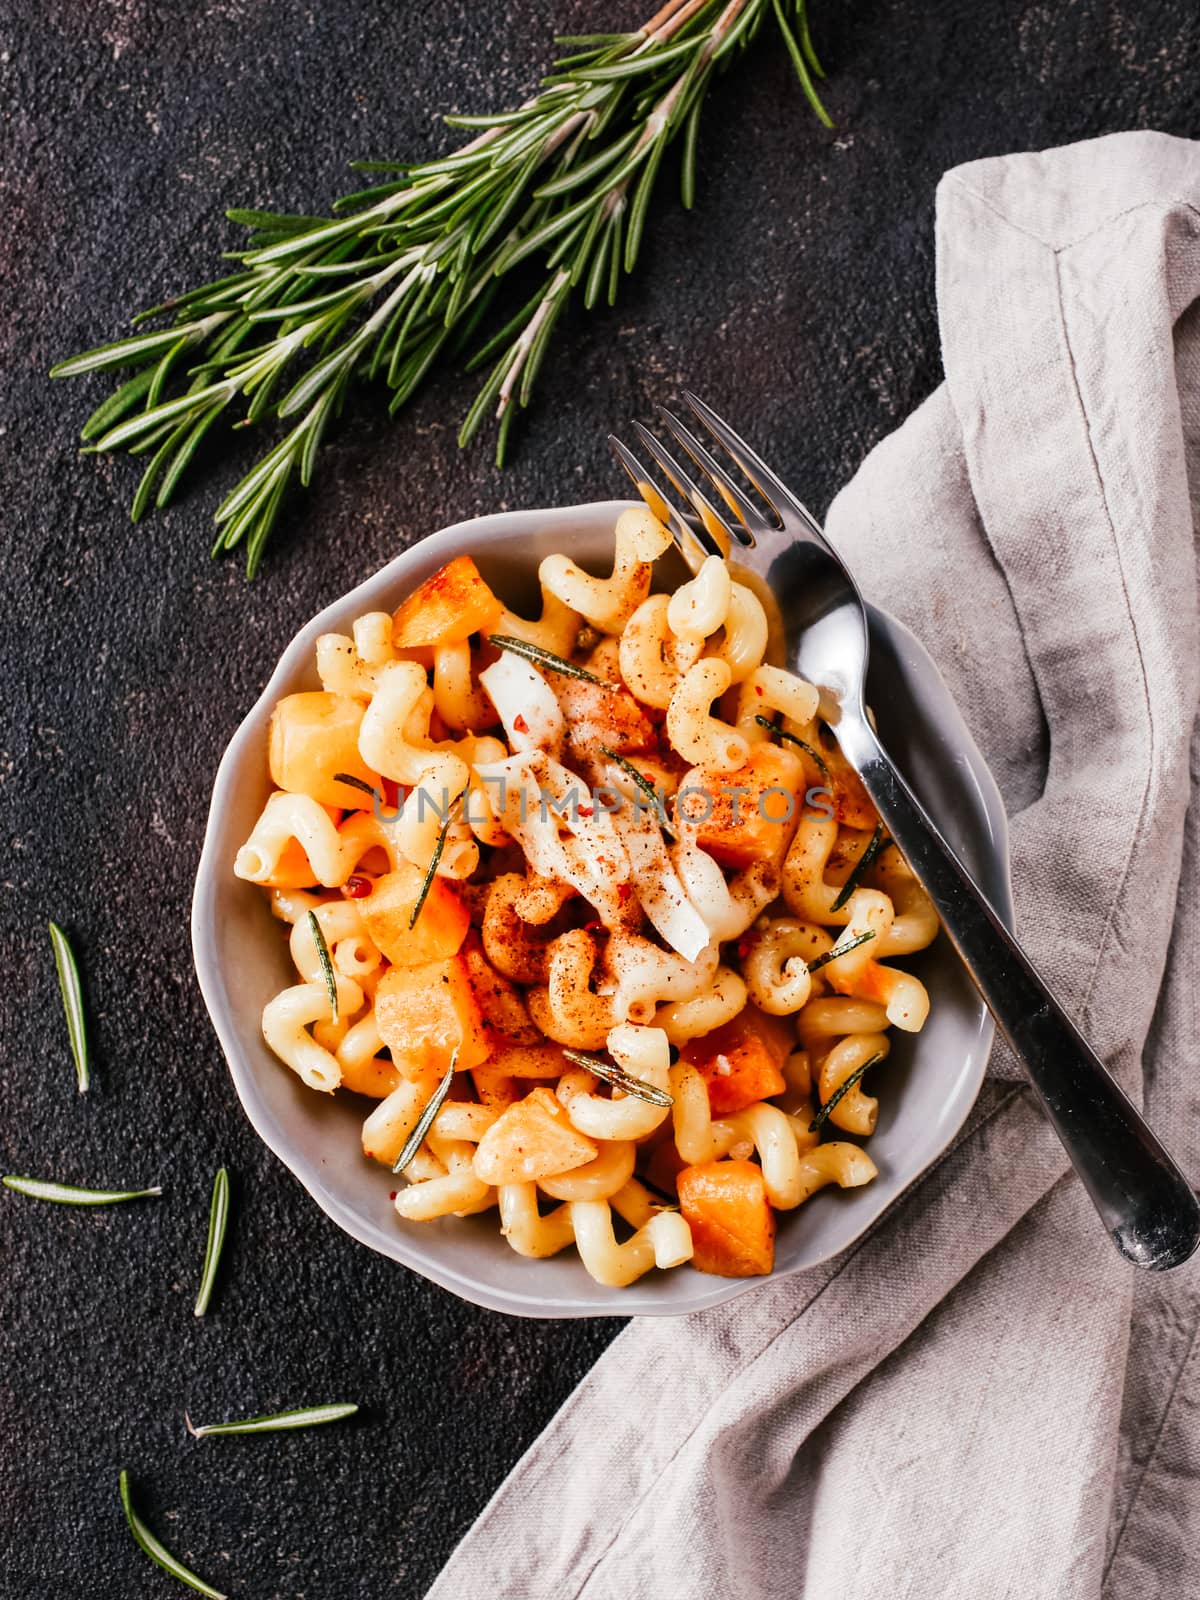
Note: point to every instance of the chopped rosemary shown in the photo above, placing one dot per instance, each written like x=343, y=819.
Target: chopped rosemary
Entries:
x=544, y=658
x=327, y=971
x=277, y=1422
x=860, y=867
x=157, y=1551
x=843, y=1088
x=644, y=785
x=837, y=951
x=792, y=739
x=621, y=1080
x=218, y=1220
x=65, y=1194
x=430, y=874
x=357, y=783
x=72, y=999
x=417, y=1137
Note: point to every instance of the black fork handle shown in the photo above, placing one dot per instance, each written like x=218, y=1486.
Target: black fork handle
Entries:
x=1144, y=1200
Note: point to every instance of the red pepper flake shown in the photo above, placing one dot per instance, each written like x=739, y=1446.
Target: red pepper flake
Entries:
x=594, y=926
x=585, y=811
x=743, y=949
x=393, y=1194
x=624, y=892
x=519, y=724
x=758, y=688
x=356, y=887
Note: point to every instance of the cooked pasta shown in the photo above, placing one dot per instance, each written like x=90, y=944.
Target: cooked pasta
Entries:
x=572, y=884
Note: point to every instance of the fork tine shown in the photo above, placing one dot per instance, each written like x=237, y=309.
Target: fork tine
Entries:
x=773, y=490
x=747, y=513
x=687, y=539
x=711, y=519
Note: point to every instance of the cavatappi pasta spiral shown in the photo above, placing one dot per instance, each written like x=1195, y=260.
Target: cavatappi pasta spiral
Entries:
x=592, y=908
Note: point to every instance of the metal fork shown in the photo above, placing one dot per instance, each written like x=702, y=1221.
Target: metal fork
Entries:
x=1141, y=1195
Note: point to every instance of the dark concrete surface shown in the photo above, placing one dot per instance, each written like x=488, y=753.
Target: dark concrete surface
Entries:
x=798, y=296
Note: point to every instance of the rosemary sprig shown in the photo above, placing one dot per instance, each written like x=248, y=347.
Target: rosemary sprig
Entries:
x=544, y=658
x=277, y=1422
x=620, y=1079
x=792, y=739
x=67, y=1195
x=843, y=1088
x=72, y=999
x=860, y=867
x=430, y=874
x=403, y=276
x=157, y=1551
x=837, y=951
x=218, y=1221
x=417, y=1137
x=327, y=972
x=644, y=784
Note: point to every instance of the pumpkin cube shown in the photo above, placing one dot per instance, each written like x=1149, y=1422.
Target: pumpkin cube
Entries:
x=387, y=911
x=602, y=714
x=749, y=814
x=533, y=1139
x=312, y=737
x=447, y=608
x=741, y=1061
x=425, y=1013
x=725, y=1205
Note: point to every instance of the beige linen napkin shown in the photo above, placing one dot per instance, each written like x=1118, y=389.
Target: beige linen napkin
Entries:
x=980, y=1398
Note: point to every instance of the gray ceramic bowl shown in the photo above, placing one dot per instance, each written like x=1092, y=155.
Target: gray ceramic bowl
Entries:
x=931, y=1080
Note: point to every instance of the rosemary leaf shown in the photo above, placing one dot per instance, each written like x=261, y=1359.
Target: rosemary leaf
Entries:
x=792, y=739
x=72, y=999
x=157, y=1551
x=65, y=1194
x=218, y=1221
x=327, y=972
x=436, y=1101
x=621, y=1080
x=860, y=868
x=843, y=1088
x=838, y=951
x=277, y=1422
x=357, y=783
x=544, y=658
x=644, y=785
x=430, y=874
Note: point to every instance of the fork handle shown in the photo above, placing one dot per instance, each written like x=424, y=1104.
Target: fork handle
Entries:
x=1142, y=1197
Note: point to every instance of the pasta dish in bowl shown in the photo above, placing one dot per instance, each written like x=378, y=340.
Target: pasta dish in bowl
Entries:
x=552, y=943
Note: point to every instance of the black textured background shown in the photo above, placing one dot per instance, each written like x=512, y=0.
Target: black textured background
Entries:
x=798, y=297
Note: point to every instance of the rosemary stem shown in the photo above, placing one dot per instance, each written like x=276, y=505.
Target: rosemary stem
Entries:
x=528, y=335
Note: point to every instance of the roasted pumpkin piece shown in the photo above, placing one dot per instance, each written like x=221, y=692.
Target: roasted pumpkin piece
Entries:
x=602, y=714
x=312, y=737
x=447, y=608
x=387, y=911
x=532, y=1139
x=749, y=814
x=741, y=1062
x=725, y=1205
x=425, y=1013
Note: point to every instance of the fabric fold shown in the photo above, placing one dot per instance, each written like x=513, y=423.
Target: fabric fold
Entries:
x=979, y=1398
